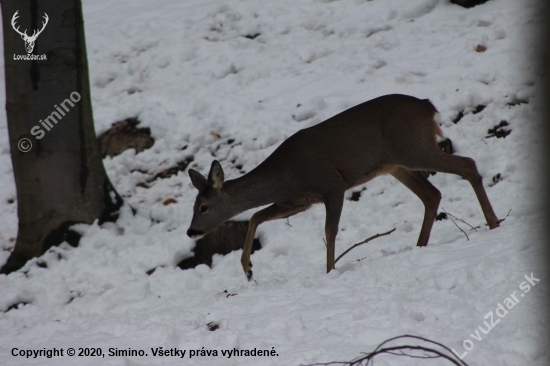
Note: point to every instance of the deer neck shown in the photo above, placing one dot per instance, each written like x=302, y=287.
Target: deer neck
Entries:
x=256, y=189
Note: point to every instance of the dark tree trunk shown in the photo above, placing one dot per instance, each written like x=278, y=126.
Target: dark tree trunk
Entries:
x=61, y=179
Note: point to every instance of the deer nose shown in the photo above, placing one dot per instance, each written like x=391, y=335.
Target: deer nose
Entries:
x=193, y=233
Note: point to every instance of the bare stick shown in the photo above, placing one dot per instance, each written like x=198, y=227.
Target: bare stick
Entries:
x=428, y=352
x=363, y=242
x=501, y=220
x=459, y=228
x=459, y=219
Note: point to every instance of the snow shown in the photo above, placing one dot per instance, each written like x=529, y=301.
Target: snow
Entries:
x=186, y=69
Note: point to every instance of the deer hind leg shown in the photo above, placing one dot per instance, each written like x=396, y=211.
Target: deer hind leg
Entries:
x=428, y=194
x=462, y=166
x=333, y=205
x=272, y=212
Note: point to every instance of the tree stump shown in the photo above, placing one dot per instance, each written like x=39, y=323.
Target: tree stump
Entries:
x=124, y=135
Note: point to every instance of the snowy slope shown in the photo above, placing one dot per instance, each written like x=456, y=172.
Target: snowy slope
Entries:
x=186, y=69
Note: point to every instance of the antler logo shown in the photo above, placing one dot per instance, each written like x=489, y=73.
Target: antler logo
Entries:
x=29, y=41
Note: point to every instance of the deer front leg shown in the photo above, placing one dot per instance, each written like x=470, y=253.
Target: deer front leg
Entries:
x=333, y=206
x=272, y=212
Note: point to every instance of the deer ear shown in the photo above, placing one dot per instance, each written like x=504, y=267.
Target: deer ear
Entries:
x=197, y=179
x=216, y=176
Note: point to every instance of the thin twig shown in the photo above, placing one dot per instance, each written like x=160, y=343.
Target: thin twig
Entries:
x=429, y=353
x=459, y=228
x=363, y=242
x=459, y=219
x=499, y=220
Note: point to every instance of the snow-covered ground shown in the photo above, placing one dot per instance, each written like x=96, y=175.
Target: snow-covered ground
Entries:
x=186, y=69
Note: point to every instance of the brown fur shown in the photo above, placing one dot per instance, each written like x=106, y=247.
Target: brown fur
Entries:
x=393, y=134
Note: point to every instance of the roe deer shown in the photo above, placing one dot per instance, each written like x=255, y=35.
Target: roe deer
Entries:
x=393, y=134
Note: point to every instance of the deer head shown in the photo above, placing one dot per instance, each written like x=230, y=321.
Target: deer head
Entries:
x=29, y=40
x=212, y=206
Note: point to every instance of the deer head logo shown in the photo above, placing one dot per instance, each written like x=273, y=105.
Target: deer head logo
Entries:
x=29, y=40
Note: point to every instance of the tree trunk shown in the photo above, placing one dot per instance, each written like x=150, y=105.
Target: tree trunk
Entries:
x=60, y=180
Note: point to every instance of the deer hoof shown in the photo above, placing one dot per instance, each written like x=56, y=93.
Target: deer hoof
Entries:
x=249, y=275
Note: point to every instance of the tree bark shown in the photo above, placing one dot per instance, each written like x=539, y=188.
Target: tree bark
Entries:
x=61, y=179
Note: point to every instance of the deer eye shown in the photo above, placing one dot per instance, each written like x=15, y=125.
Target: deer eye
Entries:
x=203, y=208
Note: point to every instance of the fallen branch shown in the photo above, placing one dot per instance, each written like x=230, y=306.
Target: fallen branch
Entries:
x=427, y=353
x=459, y=228
x=459, y=219
x=363, y=242
x=501, y=220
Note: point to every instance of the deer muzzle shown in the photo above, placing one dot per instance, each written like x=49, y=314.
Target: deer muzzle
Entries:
x=194, y=233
